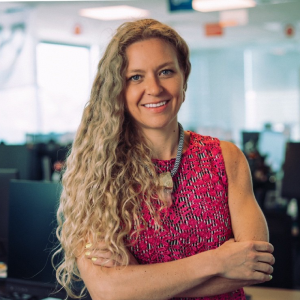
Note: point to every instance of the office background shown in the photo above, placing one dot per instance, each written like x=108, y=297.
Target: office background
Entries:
x=244, y=87
x=240, y=80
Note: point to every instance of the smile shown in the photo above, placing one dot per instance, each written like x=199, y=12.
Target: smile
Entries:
x=156, y=104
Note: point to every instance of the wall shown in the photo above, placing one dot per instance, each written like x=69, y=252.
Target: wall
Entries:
x=215, y=97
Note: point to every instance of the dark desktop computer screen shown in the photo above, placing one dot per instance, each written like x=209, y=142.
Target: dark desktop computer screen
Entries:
x=250, y=136
x=291, y=170
x=31, y=240
x=22, y=158
x=6, y=175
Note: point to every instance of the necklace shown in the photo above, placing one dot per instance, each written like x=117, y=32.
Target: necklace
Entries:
x=165, y=179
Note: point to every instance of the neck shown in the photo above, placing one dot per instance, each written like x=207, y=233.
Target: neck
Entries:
x=163, y=142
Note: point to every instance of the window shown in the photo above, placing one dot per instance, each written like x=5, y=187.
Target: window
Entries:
x=54, y=100
x=63, y=79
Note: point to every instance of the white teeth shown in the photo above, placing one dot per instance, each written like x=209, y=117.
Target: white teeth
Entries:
x=156, y=105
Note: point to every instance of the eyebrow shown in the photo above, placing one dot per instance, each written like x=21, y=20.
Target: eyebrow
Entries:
x=170, y=63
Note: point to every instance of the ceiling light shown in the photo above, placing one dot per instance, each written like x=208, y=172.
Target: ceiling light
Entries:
x=229, y=18
x=273, y=26
x=217, y=5
x=114, y=13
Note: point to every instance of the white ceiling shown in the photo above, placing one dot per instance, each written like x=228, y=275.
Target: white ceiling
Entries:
x=55, y=21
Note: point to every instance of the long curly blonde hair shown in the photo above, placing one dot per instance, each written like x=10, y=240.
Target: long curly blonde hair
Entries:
x=107, y=171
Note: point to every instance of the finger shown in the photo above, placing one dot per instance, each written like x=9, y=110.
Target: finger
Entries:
x=265, y=258
x=262, y=277
x=109, y=263
x=95, y=254
x=100, y=261
x=88, y=246
x=103, y=256
x=100, y=254
x=263, y=247
x=264, y=268
x=100, y=245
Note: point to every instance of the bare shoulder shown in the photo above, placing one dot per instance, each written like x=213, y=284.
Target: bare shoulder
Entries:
x=231, y=152
x=234, y=158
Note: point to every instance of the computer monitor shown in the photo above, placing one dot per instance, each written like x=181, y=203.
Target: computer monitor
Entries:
x=249, y=140
x=291, y=170
x=6, y=175
x=20, y=157
x=272, y=145
x=32, y=223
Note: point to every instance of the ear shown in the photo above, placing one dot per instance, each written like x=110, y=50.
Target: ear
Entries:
x=183, y=96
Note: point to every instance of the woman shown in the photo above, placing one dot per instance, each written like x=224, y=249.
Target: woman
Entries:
x=136, y=223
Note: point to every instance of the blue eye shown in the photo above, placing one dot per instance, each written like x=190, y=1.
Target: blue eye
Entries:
x=135, y=77
x=166, y=72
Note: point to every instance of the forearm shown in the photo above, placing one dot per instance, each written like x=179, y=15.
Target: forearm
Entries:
x=243, y=263
x=216, y=286
x=156, y=281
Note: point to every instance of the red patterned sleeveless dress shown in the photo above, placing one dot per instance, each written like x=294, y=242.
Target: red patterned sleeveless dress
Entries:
x=199, y=218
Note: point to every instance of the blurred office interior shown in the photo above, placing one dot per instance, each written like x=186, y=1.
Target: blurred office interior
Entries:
x=244, y=87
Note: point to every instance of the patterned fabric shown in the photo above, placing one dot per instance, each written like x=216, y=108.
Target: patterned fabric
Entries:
x=199, y=218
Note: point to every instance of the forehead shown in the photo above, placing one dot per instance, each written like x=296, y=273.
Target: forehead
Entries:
x=154, y=50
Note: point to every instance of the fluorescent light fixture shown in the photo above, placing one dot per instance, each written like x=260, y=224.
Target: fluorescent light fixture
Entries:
x=230, y=18
x=120, y=12
x=273, y=26
x=217, y=5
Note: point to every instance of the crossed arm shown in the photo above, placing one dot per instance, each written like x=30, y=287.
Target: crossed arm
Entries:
x=243, y=261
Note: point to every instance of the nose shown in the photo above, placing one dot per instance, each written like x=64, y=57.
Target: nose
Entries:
x=153, y=86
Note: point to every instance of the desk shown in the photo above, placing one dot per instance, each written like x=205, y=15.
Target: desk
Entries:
x=263, y=293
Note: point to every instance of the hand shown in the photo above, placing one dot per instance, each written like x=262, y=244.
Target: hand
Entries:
x=249, y=261
x=104, y=258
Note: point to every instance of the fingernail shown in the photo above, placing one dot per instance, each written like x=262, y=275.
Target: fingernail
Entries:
x=94, y=258
x=271, y=277
x=88, y=253
x=88, y=246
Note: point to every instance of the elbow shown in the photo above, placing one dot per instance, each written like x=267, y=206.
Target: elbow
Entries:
x=104, y=292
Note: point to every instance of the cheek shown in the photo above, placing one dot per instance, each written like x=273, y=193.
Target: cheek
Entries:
x=180, y=91
x=128, y=97
x=131, y=96
x=131, y=101
x=179, y=85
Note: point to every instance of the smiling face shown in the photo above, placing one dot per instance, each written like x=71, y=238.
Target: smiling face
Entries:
x=154, y=84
